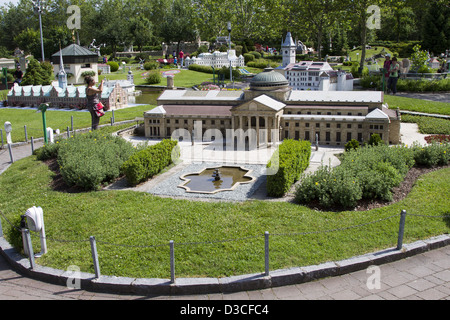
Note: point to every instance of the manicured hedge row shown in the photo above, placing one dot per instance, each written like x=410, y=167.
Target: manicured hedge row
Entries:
x=148, y=162
x=289, y=161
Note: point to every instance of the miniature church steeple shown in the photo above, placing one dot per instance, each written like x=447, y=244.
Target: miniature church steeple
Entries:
x=62, y=75
x=288, y=49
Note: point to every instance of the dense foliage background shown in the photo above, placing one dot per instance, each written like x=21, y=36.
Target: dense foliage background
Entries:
x=329, y=26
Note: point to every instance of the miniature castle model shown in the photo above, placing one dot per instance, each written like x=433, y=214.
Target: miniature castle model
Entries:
x=311, y=75
x=276, y=112
x=217, y=59
x=70, y=97
x=64, y=96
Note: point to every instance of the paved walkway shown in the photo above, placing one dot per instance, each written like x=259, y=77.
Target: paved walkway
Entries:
x=421, y=277
x=439, y=97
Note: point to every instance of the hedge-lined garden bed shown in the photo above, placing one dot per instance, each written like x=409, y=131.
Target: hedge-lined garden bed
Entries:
x=288, y=162
x=88, y=161
x=367, y=173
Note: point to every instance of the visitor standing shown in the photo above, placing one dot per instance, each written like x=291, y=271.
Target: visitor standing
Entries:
x=93, y=98
x=18, y=75
x=393, y=75
x=181, y=57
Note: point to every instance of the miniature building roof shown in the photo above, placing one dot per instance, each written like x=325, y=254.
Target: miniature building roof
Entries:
x=377, y=114
x=269, y=102
x=309, y=65
x=288, y=42
x=191, y=110
x=337, y=96
x=46, y=91
x=169, y=95
x=268, y=78
x=75, y=54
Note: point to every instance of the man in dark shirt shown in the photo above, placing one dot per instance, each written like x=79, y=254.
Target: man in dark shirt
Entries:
x=18, y=75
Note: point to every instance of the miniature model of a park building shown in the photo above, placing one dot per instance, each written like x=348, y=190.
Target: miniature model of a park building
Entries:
x=332, y=117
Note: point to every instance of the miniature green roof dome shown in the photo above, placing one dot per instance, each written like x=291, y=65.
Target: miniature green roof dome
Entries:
x=269, y=79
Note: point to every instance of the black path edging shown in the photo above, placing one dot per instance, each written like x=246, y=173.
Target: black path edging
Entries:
x=276, y=278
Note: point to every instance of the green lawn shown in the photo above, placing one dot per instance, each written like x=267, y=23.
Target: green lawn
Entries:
x=59, y=119
x=133, y=229
x=418, y=105
x=355, y=55
x=184, y=79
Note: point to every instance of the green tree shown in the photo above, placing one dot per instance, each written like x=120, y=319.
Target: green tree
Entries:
x=38, y=74
x=178, y=24
x=436, y=30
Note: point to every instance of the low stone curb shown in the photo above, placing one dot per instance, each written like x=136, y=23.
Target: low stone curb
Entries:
x=276, y=278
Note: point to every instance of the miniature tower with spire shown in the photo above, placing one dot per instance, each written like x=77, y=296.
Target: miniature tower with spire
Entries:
x=62, y=75
x=288, y=49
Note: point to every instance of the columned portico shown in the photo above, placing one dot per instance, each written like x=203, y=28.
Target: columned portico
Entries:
x=262, y=115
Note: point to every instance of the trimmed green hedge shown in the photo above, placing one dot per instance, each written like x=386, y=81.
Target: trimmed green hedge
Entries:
x=90, y=159
x=289, y=161
x=148, y=162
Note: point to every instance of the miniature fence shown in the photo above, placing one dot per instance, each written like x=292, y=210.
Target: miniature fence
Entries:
x=96, y=262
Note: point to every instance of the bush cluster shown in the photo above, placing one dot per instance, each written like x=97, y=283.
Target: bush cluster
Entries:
x=365, y=173
x=148, y=162
x=88, y=160
x=199, y=68
x=408, y=85
x=434, y=154
x=289, y=161
x=154, y=77
x=151, y=65
x=261, y=63
x=114, y=66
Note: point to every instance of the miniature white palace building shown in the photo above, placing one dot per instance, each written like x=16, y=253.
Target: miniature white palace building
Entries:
x=311, y=75
x=217, y=59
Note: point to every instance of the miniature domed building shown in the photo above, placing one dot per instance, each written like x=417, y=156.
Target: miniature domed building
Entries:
x=269, y=79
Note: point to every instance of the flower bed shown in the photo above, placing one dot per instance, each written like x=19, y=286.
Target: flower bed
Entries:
x=439, y=138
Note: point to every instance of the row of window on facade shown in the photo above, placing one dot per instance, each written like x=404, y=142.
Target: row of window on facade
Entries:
x=307, y=135
x=311, y=136
x=286, y=124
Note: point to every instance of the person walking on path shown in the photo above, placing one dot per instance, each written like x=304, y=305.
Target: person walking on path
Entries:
x=93, y=98
x=393, y=75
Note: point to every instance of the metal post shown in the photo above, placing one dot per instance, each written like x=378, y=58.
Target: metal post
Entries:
x=95, y=256
x=10, y=153
x=401, y=229
x=40, y=27
x=71, y=123
x=32, y=145
x=113, y=117
x=26, y=133
x=172, y=262
x=29, y=246
x=1, y=135
x=266, y=253
x=68, y=133
x=44, y=124
x=1, y=228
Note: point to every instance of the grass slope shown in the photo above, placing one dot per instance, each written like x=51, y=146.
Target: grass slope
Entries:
x=133, y=229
